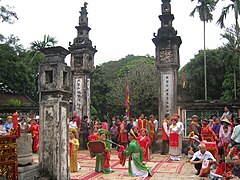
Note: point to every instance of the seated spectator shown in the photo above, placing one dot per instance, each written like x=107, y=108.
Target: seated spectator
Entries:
x=236, y=167
x=216, y=127
x=200, y=156
x=193, y=146
x=227, y=164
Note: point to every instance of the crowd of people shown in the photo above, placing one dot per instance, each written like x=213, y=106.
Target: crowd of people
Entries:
x=26, y=125
x=214, y=140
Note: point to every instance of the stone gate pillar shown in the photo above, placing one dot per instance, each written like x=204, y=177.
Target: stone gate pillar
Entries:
x=55, y=91
x=82, y=65
x=167, y=61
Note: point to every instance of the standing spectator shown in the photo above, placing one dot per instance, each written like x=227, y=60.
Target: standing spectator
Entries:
x=236, y=133
x=130, y=125
x=216, y=127
x=135, y=123
x=225, y=113
x=85, y=128
x=105, y=124
x=122, y=137
x=23, y=126
x=34, y=128
x=195, y=128
x=114, y=134
x=73, y=124
x=165, y=134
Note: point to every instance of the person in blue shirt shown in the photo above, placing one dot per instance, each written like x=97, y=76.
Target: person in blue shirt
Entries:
x=9, y=124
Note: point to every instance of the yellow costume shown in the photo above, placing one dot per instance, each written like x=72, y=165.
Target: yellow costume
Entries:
x=74, y=145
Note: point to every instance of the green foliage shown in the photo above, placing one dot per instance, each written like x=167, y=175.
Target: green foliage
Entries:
x=204, y=9
x=215, y=73
x=14, y=102
x=109, y=86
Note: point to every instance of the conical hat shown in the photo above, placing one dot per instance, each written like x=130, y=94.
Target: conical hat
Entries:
x=226, y=120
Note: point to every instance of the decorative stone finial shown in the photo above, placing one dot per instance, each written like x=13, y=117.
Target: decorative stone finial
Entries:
x=84, y=9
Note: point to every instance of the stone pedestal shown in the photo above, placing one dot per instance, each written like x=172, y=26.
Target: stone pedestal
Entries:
x=24, y=143
x=29, y=172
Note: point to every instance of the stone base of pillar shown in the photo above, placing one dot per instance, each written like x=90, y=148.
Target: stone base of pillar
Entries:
x=24, y=143
x=29, y=172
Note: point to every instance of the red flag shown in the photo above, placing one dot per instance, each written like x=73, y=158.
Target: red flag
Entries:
x=127, y=105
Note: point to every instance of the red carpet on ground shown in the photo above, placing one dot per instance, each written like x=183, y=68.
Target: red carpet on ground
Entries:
x=159, y=164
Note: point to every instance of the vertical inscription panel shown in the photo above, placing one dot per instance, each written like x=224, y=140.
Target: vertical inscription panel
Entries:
x=88, y=103
x=78, y=95
x=48, y=140
x=167, y=93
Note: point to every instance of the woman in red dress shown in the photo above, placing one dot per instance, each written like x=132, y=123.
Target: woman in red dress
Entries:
x=145, y=143
x=34, y=128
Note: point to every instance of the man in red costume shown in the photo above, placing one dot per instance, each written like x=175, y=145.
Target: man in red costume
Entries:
x=152, y=134
x=122, y=138
x=165, y=134
x=143, y=123
x=34, y=128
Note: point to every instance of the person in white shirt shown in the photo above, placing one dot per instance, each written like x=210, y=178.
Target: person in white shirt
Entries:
x=200, y=156
x=235, y=138
x=72, y=124
x=225, y=113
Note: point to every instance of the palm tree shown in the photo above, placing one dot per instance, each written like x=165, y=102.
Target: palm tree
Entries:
x=48, y=41
x=36, y=46
x=232, y=45
x=234, y=5
x=205, y=9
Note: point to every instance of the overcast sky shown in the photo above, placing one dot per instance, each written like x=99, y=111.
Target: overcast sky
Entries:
x=119, y=27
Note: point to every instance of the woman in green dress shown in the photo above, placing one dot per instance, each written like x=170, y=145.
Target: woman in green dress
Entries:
x=134, y=151
x=103, y=159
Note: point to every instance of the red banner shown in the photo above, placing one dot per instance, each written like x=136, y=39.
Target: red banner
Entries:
x=127, y=105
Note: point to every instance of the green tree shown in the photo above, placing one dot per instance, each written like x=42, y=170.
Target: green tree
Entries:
x=108, y=86
x=14, y=72
x=47, y=41
x=231, y=86
x=216, y=72
x=205, y=9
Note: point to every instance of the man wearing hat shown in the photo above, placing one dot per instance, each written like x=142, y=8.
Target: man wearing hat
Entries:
x=134, y=151
x=194, y=126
